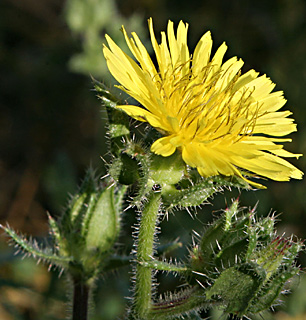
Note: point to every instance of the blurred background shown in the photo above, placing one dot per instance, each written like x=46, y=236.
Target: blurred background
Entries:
x=52, y=127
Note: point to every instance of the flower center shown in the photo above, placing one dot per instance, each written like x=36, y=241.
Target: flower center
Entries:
x=206, y=107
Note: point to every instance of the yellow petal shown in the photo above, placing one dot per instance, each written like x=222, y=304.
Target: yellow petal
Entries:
x=261, y=87
x=286, y=154
x=202, y=54
x=183, y=48
x=141, y=114
x=163, y=147
x=140, y=53
x=244, y=79
x=218, y=57
x=155, y=45
x=270, y=166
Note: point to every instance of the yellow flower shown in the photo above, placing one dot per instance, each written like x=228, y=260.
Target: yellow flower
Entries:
x=222, y=121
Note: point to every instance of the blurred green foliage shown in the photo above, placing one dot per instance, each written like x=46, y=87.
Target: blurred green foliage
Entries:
x=52, y=126
x=88, y=20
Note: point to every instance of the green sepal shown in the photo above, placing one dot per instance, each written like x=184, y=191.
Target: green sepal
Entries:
x=167, y=170
x=118, y=129
x=133, y=167
x=103, y=227
x=211, y=242
x=54, y=230
x=253, y=241
x=225, y=241
x=119, y=195
x=104, y=93
x=192, y=196
x=185, y=302
x=268, y=295
x=265, y=229
x=226, y=258
x=86, y=217
x=125, y=169
x=32, y=248
x=237, y=230
x=279, y=253
x=194, y=191
x=79, y=205
x=118, y=121
x=72, y=224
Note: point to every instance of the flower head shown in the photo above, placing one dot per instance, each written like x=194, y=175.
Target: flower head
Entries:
x=222, y=121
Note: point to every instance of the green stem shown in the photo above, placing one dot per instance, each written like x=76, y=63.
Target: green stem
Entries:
x=80, y=300
x=145, y=250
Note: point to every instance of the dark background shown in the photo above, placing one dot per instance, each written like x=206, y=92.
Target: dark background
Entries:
x=52, y=126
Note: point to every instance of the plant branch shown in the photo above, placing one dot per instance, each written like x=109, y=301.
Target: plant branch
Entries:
x=145, y=250
x=80, y=300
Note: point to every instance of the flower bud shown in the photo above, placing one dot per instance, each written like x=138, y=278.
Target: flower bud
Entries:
x=89, y=226
x=241, y=263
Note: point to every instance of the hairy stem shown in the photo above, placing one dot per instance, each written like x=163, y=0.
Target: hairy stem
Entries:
x=80, y=300
x=145, y=249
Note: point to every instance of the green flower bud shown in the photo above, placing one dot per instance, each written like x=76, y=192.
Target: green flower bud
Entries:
x=219, y=233
x=280, y=251
x=241, y=264
x=84, y=236
x=89, y=226
x=236, y=286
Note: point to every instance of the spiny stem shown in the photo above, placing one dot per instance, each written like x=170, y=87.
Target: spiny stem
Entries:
x=80, y=300
x=143, y=287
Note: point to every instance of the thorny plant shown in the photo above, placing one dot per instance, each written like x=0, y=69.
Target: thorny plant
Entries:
x=237, y=264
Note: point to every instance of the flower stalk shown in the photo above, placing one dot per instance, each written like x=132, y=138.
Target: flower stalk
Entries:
x=145, y=252
x=81, y=291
